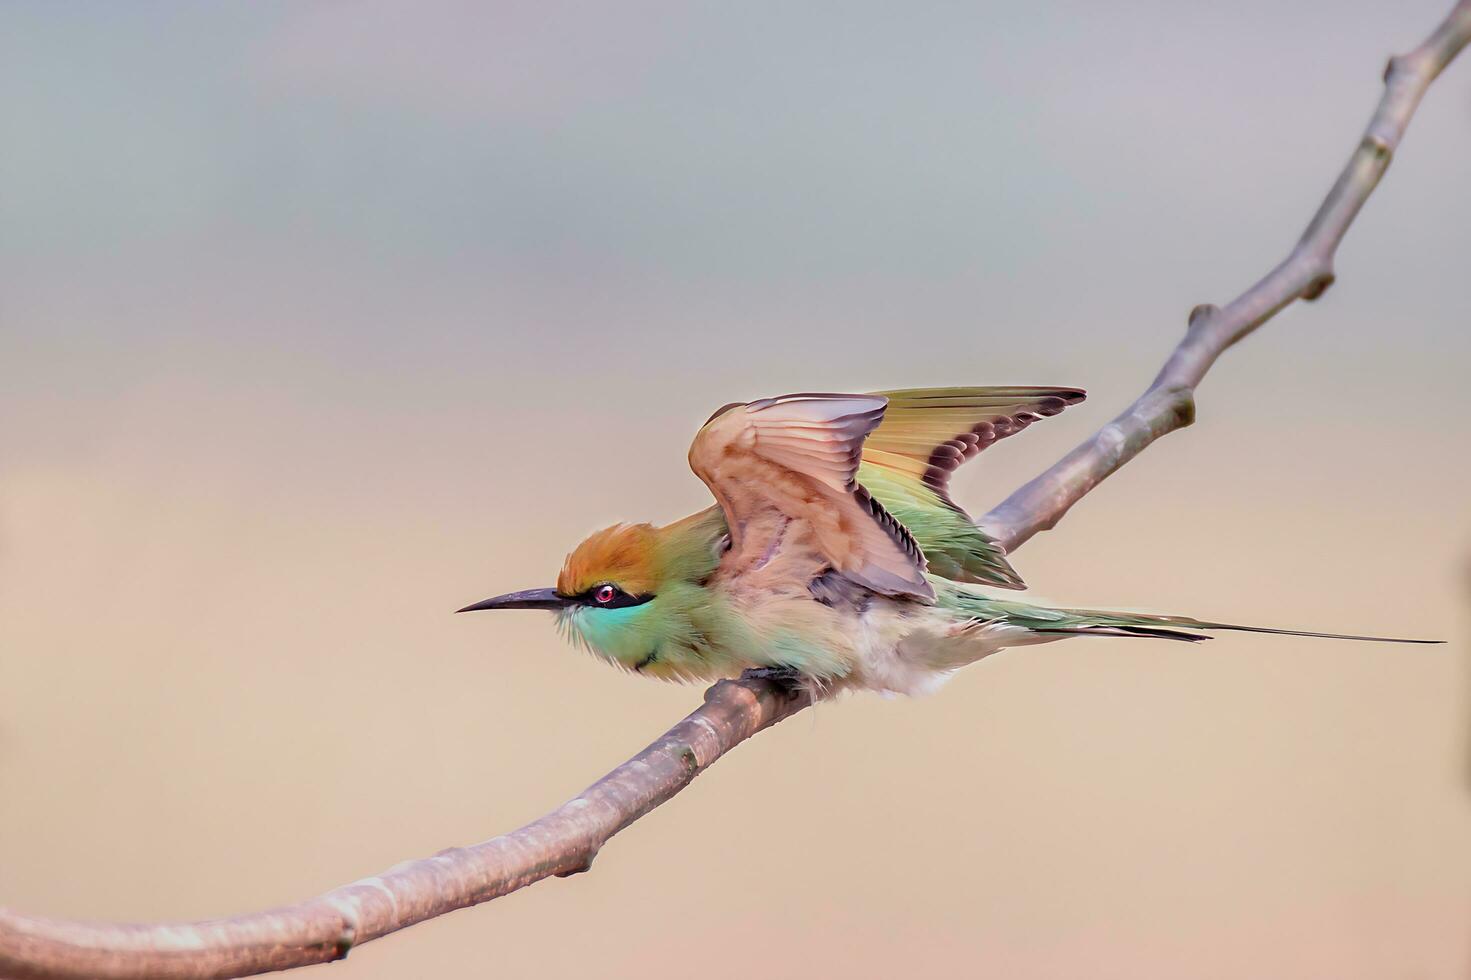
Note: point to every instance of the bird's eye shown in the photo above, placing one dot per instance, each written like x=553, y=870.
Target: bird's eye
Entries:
x=605, y=594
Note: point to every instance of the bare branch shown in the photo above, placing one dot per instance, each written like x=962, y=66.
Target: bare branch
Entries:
x=566, y=840
x=1169, y=402
x=324, y=928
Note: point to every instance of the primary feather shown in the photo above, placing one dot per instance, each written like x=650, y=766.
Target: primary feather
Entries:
x=925, y=435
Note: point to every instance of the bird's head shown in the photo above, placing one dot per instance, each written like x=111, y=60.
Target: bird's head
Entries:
x=630, y=589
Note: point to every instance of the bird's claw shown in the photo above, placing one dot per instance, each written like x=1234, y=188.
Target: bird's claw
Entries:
x=789, y=679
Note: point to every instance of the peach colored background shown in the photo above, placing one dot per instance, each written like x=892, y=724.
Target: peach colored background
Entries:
x=318, y=321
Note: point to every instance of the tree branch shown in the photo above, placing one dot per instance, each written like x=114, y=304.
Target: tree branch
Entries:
x=1169, y=401
x=566, y=840
x=324, y=928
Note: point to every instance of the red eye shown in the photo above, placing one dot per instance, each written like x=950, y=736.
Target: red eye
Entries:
x=605, y=594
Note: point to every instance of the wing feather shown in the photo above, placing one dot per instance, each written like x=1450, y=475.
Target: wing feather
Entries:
x=925, y=435
x=784, y=471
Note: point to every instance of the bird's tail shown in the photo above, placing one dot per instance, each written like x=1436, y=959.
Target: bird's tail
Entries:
x=1099, y=623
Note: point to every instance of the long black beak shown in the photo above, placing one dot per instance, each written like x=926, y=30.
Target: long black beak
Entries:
x=530, y=599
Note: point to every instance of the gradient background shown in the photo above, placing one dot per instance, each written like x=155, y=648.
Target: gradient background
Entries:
x=320, y=320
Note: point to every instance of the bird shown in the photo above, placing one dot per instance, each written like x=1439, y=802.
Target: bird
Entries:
x=834, y=558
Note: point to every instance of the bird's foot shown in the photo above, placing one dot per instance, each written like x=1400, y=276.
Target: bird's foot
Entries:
x=791, y=680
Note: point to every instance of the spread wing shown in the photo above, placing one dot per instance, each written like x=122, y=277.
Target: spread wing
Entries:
x=784, y=472
x=925, y=435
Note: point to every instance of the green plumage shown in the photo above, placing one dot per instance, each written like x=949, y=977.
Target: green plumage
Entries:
x=954, y=545
x=1046, y=620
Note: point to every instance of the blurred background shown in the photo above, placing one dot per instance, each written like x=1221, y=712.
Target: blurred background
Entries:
x=320, y=320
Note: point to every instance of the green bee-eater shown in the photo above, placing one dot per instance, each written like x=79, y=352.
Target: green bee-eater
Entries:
x=834, y=555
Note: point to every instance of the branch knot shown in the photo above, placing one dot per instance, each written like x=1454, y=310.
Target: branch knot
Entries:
x=1201, y=314
x=1378, y=145
x=1318, y=285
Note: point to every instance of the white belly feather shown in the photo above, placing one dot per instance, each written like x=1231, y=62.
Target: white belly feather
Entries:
x=903, y=647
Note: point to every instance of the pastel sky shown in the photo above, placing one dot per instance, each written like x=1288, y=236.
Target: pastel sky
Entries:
x=321, y=319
